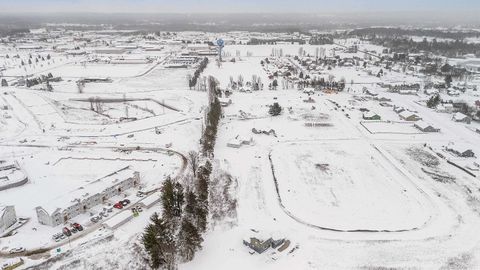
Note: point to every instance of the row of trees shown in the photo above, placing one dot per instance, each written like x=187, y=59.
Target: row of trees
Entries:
x=374, y=32
x=177, y=235
x=193, y=80
x=445, y=48
x=41, y=79
x=210, y=133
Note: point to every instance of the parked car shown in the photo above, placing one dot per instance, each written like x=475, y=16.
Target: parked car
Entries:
x=73, y=230
x=17, y=250
x=66, y=231
x=118, y=205
x=57, y=237
x=78, y=227
x=125, y=202
x=94, y=219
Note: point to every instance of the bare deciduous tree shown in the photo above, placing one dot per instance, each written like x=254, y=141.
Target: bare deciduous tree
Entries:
x=193, y=160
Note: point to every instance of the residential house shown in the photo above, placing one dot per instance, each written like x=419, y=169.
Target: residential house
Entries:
x=460, y=151
x=398, y=109
x=260, y=246
x=460, y=117
x=425, y=127
x=445, y=108
x=371, y=116
x=409, y=116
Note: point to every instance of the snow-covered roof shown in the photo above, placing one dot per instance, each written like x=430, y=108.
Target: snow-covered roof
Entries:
x=370, y=114
x=459, y=116
x=68, y=199
x=423, y=125
x=118, y=219
x=406, y=114
x=3, y=209
x=460, y=147
x=10, y=176
x=151, y=199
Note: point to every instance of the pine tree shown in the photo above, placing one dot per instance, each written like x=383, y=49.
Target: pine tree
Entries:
x=274, y=84
x=178, y=200
x=201, y=214
x=168, y=199
x=191, y=206
x=158, y=240
x=4, y=83
x=49, y=87
x=189, y=240
x=201, y=211
x=448, y=80
x=433, y=101
x=275, y=109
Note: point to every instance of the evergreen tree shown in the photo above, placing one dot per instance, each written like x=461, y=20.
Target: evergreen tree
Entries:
x=203, y=179
x=448, y=80
x=275, y=109
x=189, y=240
x=158, y=240
x=4, y=83
x=49, y=87
x=274, y=84
x=191, y=206
x=201, y=214
x=433, y=101
x=178, y=200
x=168, y=199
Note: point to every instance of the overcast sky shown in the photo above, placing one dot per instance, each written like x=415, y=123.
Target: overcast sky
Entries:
x=196, y=6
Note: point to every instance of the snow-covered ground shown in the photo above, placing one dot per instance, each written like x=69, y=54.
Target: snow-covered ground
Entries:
x=348, y=193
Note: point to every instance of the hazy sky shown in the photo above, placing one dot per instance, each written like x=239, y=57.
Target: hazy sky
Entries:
x=194, y=6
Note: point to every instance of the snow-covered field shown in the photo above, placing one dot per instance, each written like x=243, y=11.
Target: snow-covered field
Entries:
x=346, y=186
x=347, y=193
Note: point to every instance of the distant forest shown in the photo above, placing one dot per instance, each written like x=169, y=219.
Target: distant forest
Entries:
x=399, y=32
x=399, y=40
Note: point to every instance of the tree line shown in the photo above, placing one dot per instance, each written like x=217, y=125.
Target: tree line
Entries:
x=193, y=80
x=176, y=235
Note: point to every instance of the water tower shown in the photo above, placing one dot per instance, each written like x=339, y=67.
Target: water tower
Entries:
x=220, y=45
